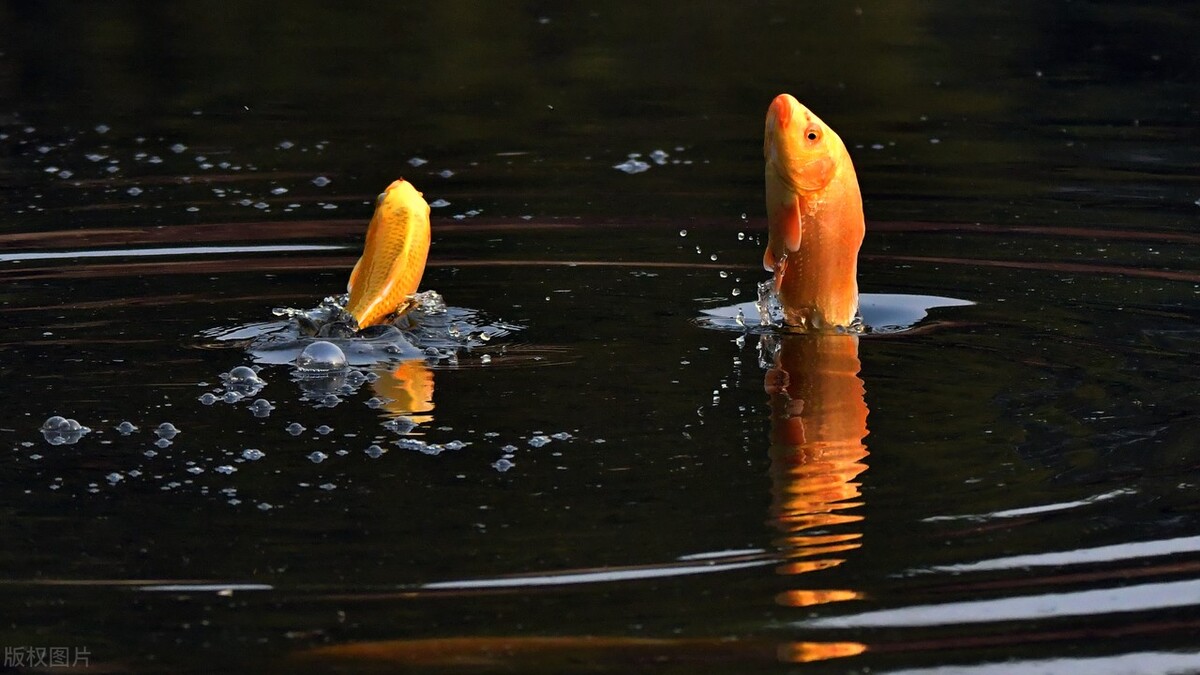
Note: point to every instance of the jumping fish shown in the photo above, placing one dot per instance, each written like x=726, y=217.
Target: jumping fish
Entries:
x=393, y=258
x=815, y=218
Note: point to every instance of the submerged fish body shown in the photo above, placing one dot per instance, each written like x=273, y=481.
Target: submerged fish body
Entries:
x=394, y=255
x=815, y=218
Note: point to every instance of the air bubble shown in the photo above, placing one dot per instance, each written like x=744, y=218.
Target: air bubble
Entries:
x=166, y=430
x=632, y=166
x=261, y=408
x=321, y=356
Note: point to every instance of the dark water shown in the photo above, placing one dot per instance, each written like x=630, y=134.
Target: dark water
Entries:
x=1023, y=499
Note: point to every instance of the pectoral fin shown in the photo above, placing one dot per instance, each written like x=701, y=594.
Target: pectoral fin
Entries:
x=789, y=227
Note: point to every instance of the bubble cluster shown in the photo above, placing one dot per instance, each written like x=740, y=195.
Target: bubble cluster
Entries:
x=59, y=430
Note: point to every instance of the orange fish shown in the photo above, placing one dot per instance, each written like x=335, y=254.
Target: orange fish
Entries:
x=393, y=258
x=815, y=218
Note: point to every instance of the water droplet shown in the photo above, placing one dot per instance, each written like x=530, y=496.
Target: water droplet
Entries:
x=225, y=469
x=455, y=445
x=286, y=145
x=134, y=191
x=713, y=257
x=561, y=436
x=539, y=441
x=317, y=457
x=321, y=356
x=659, y=157
x=438, y=203
x=232, y=397
x=115, y=478
x=126, y=428
x=324, y=430
x=102, y=128
x=417, y=161
x=445, y=173
x=741, y=236
x=253, y=454
x=263, y=506
x=163, y=443
x=320, y=181
x=724, y=274
x=178, y=148
x=208, y=399
x=374, y=451
x=502, y=465
x=295, y=428
x=327, y=486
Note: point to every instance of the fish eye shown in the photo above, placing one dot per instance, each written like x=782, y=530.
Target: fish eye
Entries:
x=812, y=134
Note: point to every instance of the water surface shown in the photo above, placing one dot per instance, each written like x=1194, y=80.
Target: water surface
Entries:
x=1005, y=486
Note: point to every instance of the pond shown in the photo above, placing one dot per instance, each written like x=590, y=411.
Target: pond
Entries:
x=596, y=474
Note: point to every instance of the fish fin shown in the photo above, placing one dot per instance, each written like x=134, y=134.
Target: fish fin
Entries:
x=768, y=260
x=780, y=267
x=790, y=227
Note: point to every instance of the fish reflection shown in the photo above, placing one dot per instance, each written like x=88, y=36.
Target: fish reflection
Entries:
x=818, y=423
x=406, y=389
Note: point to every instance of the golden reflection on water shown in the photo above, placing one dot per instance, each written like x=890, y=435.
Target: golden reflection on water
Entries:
x=406, y=389
x=818, y=423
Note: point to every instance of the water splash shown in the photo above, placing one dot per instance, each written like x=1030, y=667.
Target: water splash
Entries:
x=878, y=313
x=431, y=330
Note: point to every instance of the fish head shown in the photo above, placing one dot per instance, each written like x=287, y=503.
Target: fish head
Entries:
x=798, y=147
x=399, y=191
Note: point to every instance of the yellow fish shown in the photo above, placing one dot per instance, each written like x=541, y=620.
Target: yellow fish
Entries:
x=393, y=258
x=814, y=216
